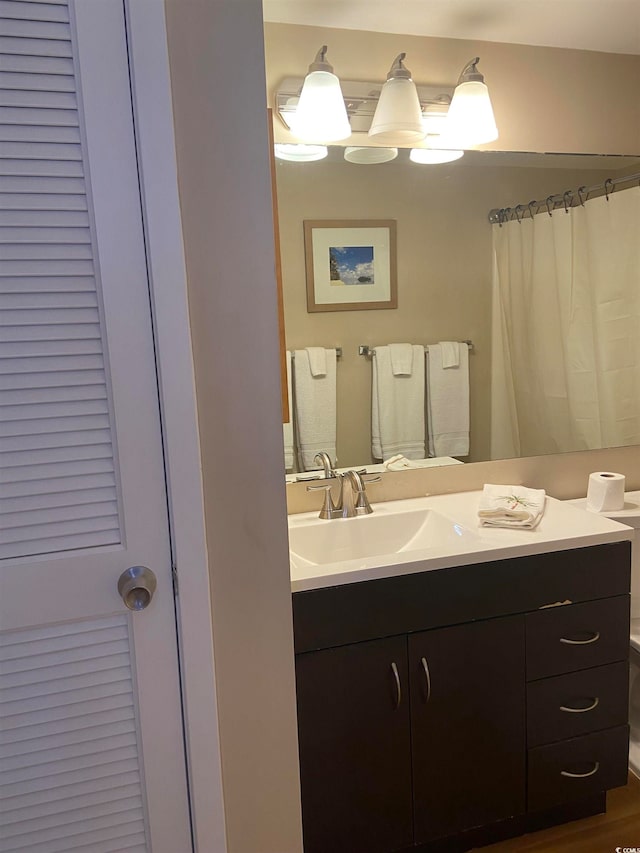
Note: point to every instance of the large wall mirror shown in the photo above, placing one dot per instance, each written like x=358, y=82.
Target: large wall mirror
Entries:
x=445, y=272
x=553, y=311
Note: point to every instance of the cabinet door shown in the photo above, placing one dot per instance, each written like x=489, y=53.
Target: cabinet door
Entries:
x=467, y=725
x=355, y=748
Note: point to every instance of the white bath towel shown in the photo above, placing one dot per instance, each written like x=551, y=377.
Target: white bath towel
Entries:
x=450, y=354
x=397, y=407
x=315, y=409
x=401, y=359
x=287, y=429
x=317, y=360
x=448, y=403
x=511, y=506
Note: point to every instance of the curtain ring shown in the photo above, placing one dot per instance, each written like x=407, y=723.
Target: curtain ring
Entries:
x=608, y=187
x=584, y=190
x=567, y=200
x=548, y=202
x=519, y=212
x=531, y=205
x=507, y=214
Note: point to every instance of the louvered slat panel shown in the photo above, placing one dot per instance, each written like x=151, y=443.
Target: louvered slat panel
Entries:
x=35, y=29
x=35, y=47
x=62, y=484
x=40, y=98
x=22, y=299
x=33, y=733
x=51, y=455
x=73, y=438
x=71, y=498
x=15, y=80
x=71, y=779
x=79, y=338
x=27, y=10
x=50, y=378
x=41, y=168
x=32, y=133
x=33, y=64
x=46, y=426
x=41, y=150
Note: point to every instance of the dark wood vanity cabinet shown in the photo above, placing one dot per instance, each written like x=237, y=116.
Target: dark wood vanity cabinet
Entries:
x=442, y=710
x=467, y=724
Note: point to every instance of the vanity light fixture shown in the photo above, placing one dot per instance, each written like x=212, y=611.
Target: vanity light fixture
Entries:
x=321, y=114
x=369, y=154
x=434, y=156
x=398, y=116
x=300, y=153
x=470, y=120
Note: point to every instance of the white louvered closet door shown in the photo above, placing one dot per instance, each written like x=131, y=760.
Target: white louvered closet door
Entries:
x=91, y=749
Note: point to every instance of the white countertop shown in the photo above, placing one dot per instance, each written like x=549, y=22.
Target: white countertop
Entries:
x=564, y=526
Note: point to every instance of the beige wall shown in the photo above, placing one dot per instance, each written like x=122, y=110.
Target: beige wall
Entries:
x=225, y=201
x=544, y=99
x=444, y=268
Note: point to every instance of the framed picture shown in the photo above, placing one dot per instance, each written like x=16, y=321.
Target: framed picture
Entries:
x=351, y=264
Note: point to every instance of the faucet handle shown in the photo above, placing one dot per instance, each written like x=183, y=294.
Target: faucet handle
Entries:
x=375, y=479
x=328, y=508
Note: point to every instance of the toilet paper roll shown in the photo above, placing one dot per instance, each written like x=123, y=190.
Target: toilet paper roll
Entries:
x=605, y=491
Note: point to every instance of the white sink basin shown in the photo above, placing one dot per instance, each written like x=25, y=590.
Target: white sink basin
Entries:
x=429, y=533
x=320, y=542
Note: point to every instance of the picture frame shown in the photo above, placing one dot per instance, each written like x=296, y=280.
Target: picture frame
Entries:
x=350, y=264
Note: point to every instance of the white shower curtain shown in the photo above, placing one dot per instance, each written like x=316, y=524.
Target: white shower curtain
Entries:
x=566, y=329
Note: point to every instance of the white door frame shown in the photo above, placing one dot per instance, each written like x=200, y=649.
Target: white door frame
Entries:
x=153, y=117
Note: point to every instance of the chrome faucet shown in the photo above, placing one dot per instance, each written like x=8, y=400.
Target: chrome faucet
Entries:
x=354, y=496
x=352, y=500
x=324, y=459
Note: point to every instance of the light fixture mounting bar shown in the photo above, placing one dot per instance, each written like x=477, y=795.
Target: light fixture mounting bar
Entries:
x=360, y=99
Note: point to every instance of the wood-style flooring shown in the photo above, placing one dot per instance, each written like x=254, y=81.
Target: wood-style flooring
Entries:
x=619, y=827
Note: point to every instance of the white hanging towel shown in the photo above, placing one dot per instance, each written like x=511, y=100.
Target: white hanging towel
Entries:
x=315, y=408
x=287, y=429
x=397, y=407
x=448, y=402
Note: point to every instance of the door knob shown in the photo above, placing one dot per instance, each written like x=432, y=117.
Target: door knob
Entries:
x=136, y=586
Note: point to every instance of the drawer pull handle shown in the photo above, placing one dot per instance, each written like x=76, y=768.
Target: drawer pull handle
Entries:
x=591, y=707
x=427, y=678
x=396, y=675
x=596, y=767
x=593, y=639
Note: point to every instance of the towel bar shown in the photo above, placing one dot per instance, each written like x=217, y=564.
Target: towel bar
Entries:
x=367, y=351
x=337, y=349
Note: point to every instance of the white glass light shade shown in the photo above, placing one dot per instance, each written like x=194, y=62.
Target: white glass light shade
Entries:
x=470, y=119
x=321, y=115
x=433, y=156
x=300, y=153
x=369, y=155
x=398, y=117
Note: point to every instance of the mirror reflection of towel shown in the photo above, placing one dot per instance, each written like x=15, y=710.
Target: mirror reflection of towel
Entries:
x=397, y=407
x=448, y=403
x=315, y=408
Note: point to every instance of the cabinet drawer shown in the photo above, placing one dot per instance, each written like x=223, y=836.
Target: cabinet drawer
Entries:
x=576, y=769
x=577, y=703
x=564, y=639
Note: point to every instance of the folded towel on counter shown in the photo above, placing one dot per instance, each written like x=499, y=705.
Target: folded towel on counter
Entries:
x=511, y=506
x=287, y=429
x=401, y=463
x=315, y=409
x=401, y=359
x=450, y=354
x=317, y=360
x=397, y=407
x=448, y=403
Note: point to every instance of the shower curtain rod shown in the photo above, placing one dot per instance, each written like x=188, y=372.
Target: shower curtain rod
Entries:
x=568, y=199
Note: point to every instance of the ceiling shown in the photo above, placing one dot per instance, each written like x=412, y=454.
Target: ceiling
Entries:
x=612, y=26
